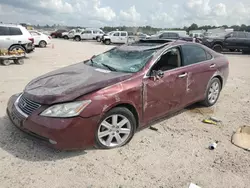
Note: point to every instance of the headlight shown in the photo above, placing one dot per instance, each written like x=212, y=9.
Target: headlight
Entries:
x=70, y=109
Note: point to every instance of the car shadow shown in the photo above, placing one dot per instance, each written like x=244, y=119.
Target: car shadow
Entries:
x=26, y=147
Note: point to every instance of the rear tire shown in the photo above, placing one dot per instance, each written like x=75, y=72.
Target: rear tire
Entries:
x=66, y=37
x=107, y=42
x=110, y=134
x=212, y=93
x=218, y=48
x=17, y=47
x=42, y=44
x=98, y=39
x=19, y=61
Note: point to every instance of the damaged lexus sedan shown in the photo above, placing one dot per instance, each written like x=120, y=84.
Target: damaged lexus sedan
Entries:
x=103, y=101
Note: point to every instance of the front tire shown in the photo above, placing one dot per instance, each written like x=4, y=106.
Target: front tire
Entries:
x=218, y=48
x=212, y=93
x=107, y=42
x=116, y=128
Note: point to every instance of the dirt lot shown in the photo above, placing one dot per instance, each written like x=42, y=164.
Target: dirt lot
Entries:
x=173, y=156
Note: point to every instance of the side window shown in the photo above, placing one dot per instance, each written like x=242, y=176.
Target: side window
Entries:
x=116, y=34
x=242, y=35
x=168, y=61
x=15, y=31
x=4, y=31
x=95, y=32
x=193, y=54
x=173, y=35
x=234, y=34
x=123, y=34
x=164, y=35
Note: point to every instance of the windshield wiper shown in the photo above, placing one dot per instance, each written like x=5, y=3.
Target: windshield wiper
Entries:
x=109, y=67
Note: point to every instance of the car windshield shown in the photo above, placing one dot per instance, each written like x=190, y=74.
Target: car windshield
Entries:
x=122, y=61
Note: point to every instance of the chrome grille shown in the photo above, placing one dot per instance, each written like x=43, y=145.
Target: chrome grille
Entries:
x=27, y=106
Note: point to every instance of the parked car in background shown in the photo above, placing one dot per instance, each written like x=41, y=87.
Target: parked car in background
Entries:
x=116, y=37
x=40, y=39
x=233, y=41
x=106, y=34
x=118, y=92
x=74, y=33
x=171, y=35
x=14, y=37
x=65, y=34
x=58, y=33
x=89, y=34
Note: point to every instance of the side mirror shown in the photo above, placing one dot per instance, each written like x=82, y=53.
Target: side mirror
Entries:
x=157, y=74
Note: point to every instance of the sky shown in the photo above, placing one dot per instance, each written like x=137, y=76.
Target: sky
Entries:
x=99, y=13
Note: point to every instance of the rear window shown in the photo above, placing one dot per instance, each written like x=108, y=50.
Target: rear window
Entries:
x=4, y=31
x=15, y=31
x=123, y=34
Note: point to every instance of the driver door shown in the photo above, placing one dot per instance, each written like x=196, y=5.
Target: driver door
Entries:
x=165, y=94
x=230, y=41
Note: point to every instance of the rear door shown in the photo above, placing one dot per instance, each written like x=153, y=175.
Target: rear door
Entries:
x=17, y=35
x=241, y=41
x=200, y=67
x=5, y=39
x=124, y=37
x=230, y=41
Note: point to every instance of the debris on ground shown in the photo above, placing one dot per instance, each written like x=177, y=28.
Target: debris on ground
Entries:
x=153, y=128
x=211, y=120
x=192, y=185
x=242, y=137
x=213, y=145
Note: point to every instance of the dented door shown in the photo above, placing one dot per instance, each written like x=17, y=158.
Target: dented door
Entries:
x=164, y=95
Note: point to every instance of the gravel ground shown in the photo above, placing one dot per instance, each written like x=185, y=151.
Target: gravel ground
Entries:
x=173, y=156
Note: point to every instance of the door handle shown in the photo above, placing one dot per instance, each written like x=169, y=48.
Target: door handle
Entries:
x=212, y=65
x=182, y=75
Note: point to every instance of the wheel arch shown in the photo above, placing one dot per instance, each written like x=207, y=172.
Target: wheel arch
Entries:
x=17, y=45
x=129, y=106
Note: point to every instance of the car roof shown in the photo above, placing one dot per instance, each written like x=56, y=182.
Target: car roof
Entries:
x=10, y=25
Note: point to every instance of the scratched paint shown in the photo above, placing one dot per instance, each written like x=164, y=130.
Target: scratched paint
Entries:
x=189, y=82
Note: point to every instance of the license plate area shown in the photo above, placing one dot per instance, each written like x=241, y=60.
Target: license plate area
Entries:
x=16, y=117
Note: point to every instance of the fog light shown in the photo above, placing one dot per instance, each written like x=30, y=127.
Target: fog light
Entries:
x=52, y=141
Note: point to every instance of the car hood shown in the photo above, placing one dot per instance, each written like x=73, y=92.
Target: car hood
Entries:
x=69, y=83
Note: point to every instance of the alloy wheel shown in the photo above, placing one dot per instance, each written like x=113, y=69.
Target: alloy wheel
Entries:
x=114, y=131
x=214, y=91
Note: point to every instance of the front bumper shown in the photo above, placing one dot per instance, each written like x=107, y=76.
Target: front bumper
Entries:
x=59, y=133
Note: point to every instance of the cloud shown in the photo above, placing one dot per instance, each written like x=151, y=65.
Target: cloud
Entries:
x=97, y=13
x=131, y=16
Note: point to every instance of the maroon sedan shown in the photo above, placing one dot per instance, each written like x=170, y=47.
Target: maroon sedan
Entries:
x=103, y=101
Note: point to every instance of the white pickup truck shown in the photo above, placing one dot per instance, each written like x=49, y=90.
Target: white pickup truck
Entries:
x=116, y=37
x=89, y=34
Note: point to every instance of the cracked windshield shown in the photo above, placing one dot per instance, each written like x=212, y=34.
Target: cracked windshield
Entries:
x=124, y=94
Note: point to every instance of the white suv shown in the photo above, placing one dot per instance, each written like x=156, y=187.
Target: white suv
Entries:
x=16, y=37
x=89, y=34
